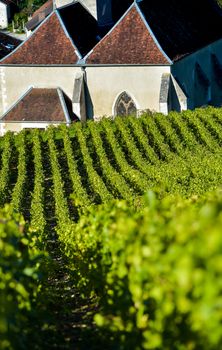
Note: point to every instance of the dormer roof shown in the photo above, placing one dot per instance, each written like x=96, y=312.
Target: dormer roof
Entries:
x=41, y=105
x=130, y=41
x=50, y=43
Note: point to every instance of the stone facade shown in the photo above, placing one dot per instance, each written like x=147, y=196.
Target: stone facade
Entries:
x=102, y=85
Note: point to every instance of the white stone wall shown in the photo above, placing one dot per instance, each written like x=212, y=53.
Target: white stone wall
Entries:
x=15, y=81
x=3, y=16
x=105, y=84
x=16, y=127
x=142, y=83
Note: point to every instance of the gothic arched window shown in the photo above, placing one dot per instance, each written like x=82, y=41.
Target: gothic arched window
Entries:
x=125, y=105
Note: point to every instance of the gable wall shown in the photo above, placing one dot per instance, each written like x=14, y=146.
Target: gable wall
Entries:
x=187, y=73
x=15, y=81
x=105, y=84
x=142, y=83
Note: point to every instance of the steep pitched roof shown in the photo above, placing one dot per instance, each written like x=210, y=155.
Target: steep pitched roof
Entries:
x=40, y=14
x=130, y=41
x=49, y=44
x=40, y=105
x=183, y=26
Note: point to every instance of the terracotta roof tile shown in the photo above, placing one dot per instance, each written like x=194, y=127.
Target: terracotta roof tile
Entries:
x=39, y=105
x=49, y=44
x=129, y=42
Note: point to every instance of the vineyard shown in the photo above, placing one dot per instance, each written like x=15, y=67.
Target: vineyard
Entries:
x=110, y=234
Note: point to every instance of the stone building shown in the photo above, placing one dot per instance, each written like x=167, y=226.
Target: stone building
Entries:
x=120, y=57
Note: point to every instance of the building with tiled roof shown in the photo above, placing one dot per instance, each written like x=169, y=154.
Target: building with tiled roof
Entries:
x=117, y=57
x=47, y=106
x=49, y=44
x=130, y=41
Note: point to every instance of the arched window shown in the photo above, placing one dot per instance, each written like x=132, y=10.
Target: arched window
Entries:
x=125, y=105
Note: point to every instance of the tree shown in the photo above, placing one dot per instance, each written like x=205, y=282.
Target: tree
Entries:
x=30, y=4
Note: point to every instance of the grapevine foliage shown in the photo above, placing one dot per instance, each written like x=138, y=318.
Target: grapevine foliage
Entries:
x=150, y=263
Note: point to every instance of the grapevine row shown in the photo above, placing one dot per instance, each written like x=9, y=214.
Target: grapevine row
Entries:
x=180, y=128
x=137, y=130
x=38, y=221
x=96, y=181
x=5, y=170
x=170, y=136
x=109, y=172
x=81, y=197
x=61, y=205
x=133, y=175
x=19, y=189
x=156, y=138
x=199, y=130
